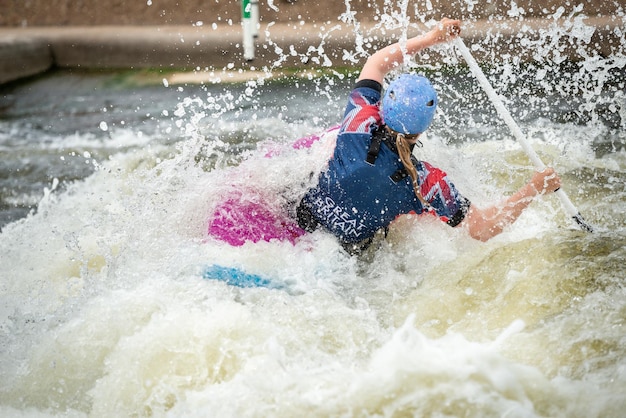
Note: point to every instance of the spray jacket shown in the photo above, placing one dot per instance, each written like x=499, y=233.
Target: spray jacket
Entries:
x=366, y=186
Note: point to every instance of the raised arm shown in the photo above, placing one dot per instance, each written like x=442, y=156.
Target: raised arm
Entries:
x=484, y=224
x=386, y=59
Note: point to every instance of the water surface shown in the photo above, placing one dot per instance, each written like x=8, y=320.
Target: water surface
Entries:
x=105, y=189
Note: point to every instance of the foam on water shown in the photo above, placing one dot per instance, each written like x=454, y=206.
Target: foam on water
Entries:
x=104, y=312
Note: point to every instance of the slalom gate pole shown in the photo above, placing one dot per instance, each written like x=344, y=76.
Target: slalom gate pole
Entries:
x=254, y=17
x=248, y=30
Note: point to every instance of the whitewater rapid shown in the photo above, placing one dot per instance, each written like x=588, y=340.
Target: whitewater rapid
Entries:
x=104, y=311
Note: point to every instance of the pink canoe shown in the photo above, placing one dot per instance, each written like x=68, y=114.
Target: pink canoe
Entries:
x=246, y=215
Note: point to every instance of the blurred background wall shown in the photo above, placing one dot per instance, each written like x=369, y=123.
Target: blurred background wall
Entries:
x=183, y=12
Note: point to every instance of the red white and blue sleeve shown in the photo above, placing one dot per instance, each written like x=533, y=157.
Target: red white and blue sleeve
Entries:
x=442, y=195
x=363, y=109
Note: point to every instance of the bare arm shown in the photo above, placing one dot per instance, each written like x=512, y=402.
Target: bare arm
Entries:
x=484, y=224
x=386, y=59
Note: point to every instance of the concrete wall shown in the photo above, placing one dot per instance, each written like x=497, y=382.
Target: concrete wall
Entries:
x=23, y=57
x=185, y=12
x=36, y=35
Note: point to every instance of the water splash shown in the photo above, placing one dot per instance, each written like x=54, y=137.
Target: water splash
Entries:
x=105, y=310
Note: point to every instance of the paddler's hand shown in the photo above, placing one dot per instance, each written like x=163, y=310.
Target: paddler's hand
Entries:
x=446, y=30
x=546, y=181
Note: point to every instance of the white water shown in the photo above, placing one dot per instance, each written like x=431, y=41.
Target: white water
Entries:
x=103, y=311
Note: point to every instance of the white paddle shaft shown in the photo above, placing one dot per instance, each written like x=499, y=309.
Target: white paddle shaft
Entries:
x=569, y=207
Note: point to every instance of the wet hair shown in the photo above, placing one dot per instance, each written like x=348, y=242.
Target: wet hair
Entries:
x=404, y=151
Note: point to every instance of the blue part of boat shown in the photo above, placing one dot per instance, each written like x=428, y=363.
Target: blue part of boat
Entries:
x=237, y=277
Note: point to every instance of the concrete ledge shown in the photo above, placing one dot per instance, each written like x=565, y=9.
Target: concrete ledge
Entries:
x=27, y=51
x=23, y=57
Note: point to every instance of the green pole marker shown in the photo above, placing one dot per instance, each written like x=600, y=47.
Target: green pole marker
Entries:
x=246, y=9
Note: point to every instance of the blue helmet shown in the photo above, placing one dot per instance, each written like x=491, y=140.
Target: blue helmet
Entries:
x=409, y=104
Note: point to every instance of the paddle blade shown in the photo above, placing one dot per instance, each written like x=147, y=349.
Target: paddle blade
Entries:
x=237, y=277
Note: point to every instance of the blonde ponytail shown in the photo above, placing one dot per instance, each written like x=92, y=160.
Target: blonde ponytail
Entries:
x=404, y=151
